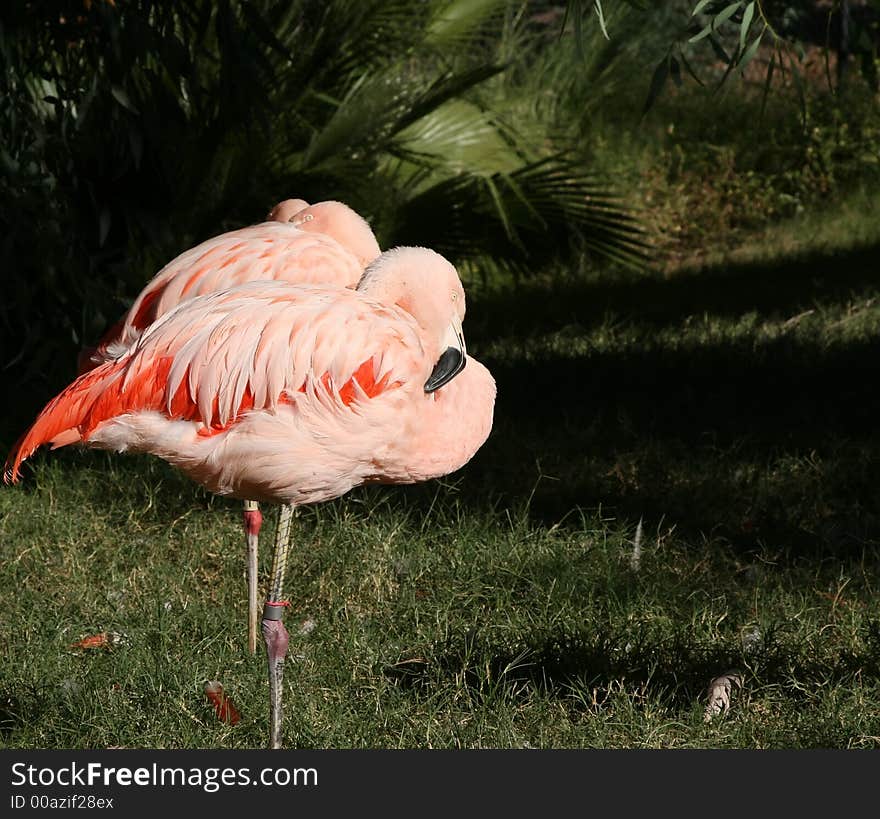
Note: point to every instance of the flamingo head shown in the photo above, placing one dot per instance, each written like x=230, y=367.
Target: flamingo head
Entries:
x=286, y=210
x=339, y=222
x=428, y=287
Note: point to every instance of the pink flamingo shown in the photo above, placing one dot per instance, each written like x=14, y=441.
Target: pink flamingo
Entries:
x=292, y=394
x=325, y=243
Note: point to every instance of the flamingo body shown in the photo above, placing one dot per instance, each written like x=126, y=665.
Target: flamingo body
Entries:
x=277, y=392
x=274, y=250
x=292, y=394
x=326, y=243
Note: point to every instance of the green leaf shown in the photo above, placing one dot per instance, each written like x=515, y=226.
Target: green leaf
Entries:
x=498, y=201
x=458, y=137
x=750, y=52
x=748, y=14
x=104, y=222
x=262, y=30
x=699, y=7
x=801, y=90
x=675, y=71
x=771, y=66
x=459, y=20
x=719, y=19
x=720, y=53
x=725, y=14
x=447, y=87
x=704, y=33
x=730, y=66
x=658, y=80
x=689, y=69
x=598, y=6
x=519, y=217
x=579, y=29
x=123, y=99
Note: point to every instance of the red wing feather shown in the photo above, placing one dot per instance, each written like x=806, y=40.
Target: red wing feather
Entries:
x=225, y=356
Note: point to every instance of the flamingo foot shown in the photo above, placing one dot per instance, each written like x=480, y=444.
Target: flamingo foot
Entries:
x=277, y=639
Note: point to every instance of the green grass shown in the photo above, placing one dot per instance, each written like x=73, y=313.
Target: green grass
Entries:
x=731, y=407
x=437, y=624
x=728, y=400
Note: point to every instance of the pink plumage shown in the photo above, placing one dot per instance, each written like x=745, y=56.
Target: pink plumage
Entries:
x=292, y=394
x=287, y=393
x=326, y=243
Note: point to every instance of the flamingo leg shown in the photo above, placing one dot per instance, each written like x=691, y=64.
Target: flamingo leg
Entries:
x=253, y=519
x=274, y=633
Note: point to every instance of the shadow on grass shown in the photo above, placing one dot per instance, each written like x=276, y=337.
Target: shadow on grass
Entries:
x=584, y=669
x=774, y=446
x=763, y=445
x=771, y=449
x=757, y=441
x=11, y=716
x=783, y=390
x=781, y=286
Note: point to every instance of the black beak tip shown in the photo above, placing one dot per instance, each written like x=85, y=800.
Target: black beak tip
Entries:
x=449, y=365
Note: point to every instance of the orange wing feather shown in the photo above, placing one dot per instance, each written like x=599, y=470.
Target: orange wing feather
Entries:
x=257, y=335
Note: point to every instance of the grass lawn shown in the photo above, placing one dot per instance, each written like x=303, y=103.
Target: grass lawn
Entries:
x=730, y=407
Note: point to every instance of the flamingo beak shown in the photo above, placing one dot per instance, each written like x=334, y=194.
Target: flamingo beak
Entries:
x=453, y=359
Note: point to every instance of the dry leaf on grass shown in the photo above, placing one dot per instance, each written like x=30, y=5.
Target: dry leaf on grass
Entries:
x=223, y=706
x=105, y=639
x=718, y=694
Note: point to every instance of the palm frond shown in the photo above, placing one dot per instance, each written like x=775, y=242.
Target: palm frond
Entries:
x=379, y=106
x=447, y=86
x=524, y=218
x=132, y=130
x=457, y=137
x=455, y=23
